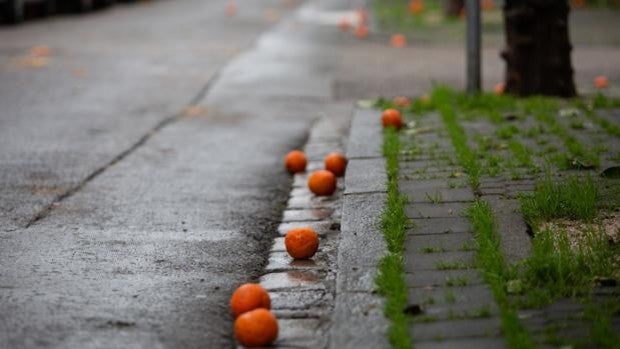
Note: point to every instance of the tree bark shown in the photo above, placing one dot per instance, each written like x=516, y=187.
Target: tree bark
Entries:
x=538, y=52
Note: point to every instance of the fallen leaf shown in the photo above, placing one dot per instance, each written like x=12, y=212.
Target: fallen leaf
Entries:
x=366, y=103
x=194, y=111
x=40, y=51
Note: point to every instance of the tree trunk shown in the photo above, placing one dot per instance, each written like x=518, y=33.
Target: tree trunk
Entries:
x=453, y=8
x=538, y=52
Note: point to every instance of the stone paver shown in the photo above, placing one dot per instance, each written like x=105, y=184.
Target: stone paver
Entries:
x=358, y=320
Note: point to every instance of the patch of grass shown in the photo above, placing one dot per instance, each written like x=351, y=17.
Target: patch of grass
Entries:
x=496, y=273
x=573, y=198
x=435, y=198
x=600, y=101
x=482, y=312
x=432, y=249
x=545, y=111
x=506, y=131
x=522, y=155
x=558, y=269
x=466, y=156
x=390, y=279
x=444, y=265
x=457, y=281
x=449, y=297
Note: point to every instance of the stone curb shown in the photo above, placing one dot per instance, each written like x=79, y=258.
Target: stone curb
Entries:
x=358, y=320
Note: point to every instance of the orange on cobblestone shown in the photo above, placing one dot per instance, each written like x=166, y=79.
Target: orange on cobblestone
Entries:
x=578, y=3
x=295, y=161
x=336, y=163
x=601, y=82
x=398, y=41
x=301, y=243
x=256, y=328
x=487, y=5
x=249, y=297
x=401, y=102
x=416, y=6
x=361, y=31
x=322, y=183
x=499, y=88
x=392, y=117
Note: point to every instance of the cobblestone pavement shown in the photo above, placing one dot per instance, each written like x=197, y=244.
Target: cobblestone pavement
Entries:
x=452, y=305
x=455, y=308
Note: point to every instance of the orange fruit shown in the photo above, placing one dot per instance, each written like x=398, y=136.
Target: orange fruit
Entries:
x=499, y=88
x=231, y=9
x=40, y=51
x=391, y=117
x=322, y=183
x=336, y=163
x=249, y=297
x=601, y=82
x=362, y=15
x=402, y=102
x=398, y=41
x=295, y=161
x=256, y=328
x=301, y=243
x=487, y=5
x=416, y=6
x=578, y=3
x=361, y=31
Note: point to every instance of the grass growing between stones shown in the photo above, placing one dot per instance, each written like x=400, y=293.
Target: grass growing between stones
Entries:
x=496, y=273
x=391, y=276
x=572, y=255
x=519, y=136
x=573, y=198
x=458, y=136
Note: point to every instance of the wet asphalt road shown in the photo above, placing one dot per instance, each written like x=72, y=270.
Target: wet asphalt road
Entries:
x=123, y=222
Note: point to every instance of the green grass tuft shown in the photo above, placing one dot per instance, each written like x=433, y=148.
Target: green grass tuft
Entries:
x=496, y=273
x=573, y=198
x=442, y=97
x=390, y=279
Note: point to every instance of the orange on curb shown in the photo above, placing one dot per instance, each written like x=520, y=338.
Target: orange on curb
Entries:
x=601, y=82
x=322, y=183
x=295, y=161
x=336, y=163
x=301, y=243
x=402, y=102
x=398, y=41
x=499, y=88
x=256, y=328
x=361, y=31
x=391, y=117
x=248, y=297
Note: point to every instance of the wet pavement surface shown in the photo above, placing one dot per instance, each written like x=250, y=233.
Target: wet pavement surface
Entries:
x=141, y=172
